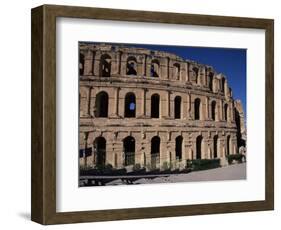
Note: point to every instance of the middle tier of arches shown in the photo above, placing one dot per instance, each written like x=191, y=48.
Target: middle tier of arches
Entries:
x=114, y=102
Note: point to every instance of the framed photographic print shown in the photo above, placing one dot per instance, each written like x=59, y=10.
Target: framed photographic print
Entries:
x=141, y=114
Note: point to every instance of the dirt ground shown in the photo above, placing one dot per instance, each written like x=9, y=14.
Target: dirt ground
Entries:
x=232, y=172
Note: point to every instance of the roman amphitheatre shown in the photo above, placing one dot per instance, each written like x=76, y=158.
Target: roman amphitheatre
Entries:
x=154, y=110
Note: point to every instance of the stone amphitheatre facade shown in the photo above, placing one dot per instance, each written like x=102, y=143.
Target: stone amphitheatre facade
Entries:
x=153, y=108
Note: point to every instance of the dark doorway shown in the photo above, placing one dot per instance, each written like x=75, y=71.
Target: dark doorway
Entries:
x=213, y=110
x=211, y=77
x=228, y=145
x=129, y=150
x=155, y=152
x=81, y=64
x=199, y=147
x=100, y=151
x=179, y=141
x=197, y=109
x=101, y=106
x=215, y=146
x=105, y=65
x=155, y=104
x=154, y=69
x=222, y=85
x=130, y=105
x=176, y=71
x=131, y=66
x=226, y=112
x=177, y=107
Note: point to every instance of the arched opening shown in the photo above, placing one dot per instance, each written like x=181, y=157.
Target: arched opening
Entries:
x=199, y=147
x=177, y=107
x=228, y=145
x=213, y=110
x=81, y=64
x=196, y=74
x=129, y=150
x=176, y=71
x=131, y=66
x=100, y=151
x=155, y=104
x=105, y=65
x=197, y=109
x=154, y=69
x=211, y=77
x=155, y=151
x=101, y=105
x=215, y=146
x=130, y=105
x=226, y=112
x=179, y=141
x=222, y=84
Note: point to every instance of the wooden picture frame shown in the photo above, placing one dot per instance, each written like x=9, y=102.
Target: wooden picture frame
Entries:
x=43, y=208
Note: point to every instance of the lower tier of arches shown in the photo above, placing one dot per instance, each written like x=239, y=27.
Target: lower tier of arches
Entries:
x=153, y=148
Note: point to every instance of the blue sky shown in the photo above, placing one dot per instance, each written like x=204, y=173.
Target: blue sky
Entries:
x=230, y=62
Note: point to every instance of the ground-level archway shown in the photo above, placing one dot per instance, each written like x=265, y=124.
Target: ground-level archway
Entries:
x=179, y=142
x=215, y=147
x=100, y=151
x=155, y=151
x=199, y=141
x=129, y=150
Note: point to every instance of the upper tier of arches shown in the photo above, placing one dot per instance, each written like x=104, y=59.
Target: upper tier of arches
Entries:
x=111, y=61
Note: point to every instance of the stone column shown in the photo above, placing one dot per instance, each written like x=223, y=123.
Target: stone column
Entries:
x=85, y=146
x=116, y=99
x=88, y=101
x=207, y=114
x=186, y=72
x=96, y=63
x=88, y=63
x=222, y=111
x=118, y=61
x=144, y=65
x=169, y=104
x=144, y=103
x=123, y=64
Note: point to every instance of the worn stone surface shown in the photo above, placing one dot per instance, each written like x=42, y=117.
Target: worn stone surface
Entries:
x=197, y=115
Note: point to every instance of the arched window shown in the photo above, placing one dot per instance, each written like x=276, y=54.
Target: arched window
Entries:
x=131, y=66
x=101, y=105
x=81, y=64
x=228, y=145
x=197, y=109
x=215, y=146
x=176, y=71
x=177, y=107
x=130, y=105
x=226, y=112
x=100, y=151
x=155, y=151
x=105, y=65
x=155, y=68
x=179, y=141
x=211, y=77
x=199, y=140
x=155, y=104
x=213, y=110
x=129, y=150
x=196, y=74
x=222, y=84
